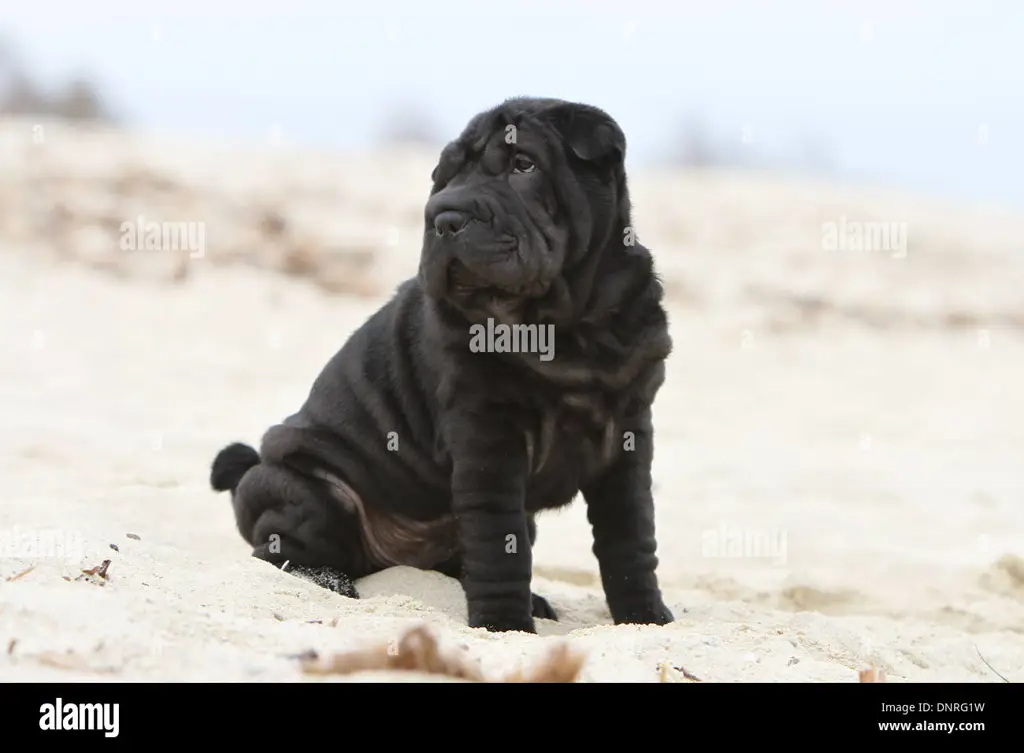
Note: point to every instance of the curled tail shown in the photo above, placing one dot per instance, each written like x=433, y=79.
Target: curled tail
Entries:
x=230, y=465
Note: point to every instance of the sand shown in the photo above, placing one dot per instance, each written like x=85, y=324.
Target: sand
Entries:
x=838, y=464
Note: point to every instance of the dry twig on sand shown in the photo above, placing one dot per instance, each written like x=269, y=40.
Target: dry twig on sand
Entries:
x=72, y=661
x=22, y=574
x=671, y=673
x=872, y=675
x=100, y=570
x=562, y=665
x=418, y=651
x=997, y=673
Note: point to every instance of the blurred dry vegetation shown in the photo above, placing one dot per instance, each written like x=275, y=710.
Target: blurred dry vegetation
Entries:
x=77, y=99
x=697, y=143
x=729, y=239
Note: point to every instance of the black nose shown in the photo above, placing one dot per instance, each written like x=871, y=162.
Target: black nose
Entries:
x=450, y=223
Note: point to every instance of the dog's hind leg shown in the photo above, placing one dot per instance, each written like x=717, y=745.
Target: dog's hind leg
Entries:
x=541, y=608
x=296, y=523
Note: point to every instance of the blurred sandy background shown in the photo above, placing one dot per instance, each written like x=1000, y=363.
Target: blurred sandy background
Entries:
x=838, y=469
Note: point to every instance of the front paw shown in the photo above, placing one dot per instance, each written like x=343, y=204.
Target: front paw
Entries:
x=649, y=613
x=499, y=622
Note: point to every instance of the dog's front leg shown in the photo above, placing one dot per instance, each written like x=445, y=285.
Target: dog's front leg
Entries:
x=620, y=508
x=488, y=498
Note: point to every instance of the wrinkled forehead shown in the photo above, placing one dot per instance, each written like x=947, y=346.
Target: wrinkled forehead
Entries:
x=491, y=138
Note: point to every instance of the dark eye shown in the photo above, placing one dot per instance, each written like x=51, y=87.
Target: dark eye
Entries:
x=522, y=164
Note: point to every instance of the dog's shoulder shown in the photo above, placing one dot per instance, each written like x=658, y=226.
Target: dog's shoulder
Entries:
x=626, y=321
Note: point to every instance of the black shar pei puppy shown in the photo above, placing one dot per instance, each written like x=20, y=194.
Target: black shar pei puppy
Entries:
x=516, y=371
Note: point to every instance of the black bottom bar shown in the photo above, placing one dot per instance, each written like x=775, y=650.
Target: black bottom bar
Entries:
x=304, y=714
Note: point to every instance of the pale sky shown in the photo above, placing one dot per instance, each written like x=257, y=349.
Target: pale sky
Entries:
x=925, y=95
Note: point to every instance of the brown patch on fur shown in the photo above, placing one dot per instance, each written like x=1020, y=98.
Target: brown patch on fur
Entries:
x=392, y=540
x=608, y=447
x=538, y=444
x=418, y=651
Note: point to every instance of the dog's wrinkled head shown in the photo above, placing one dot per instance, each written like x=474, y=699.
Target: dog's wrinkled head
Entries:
x=520, y=200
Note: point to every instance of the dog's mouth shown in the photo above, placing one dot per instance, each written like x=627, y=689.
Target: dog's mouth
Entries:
x=476, y=295
x=495, y=273
x=461, y=279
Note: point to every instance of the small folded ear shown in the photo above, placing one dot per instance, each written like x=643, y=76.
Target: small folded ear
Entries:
x=591, y=133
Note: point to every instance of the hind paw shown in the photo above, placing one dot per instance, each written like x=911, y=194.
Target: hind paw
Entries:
x=542, y=609
x=325, y=577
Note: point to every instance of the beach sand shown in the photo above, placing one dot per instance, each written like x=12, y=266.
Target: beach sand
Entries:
x=838, y=464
